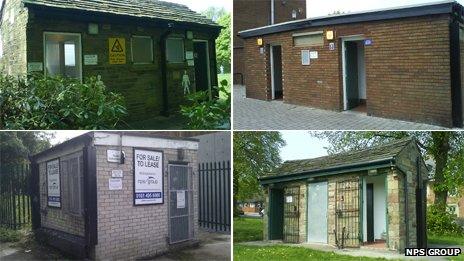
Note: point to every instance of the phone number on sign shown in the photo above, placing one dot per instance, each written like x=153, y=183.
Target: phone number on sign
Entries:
x=146, y=195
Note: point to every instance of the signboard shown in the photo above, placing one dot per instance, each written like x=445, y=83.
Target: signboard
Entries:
x=181, y=199
x=117, y=173
x=113, y=155
x=34, y=67
x=313, y=55
x=117, y=50
x=331, y=46
x=148, y=177
x=114, y=184
x=188, y=55
x=288, y=199
x=368, y=42
x=190, y=63
x=53, y=183
x=90, y=59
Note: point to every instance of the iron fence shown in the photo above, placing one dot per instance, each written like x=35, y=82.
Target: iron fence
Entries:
x=15, y=201
x=214, y=196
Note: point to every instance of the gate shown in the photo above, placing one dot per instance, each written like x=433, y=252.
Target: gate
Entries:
x=214, y=196
x=15, y=203
x=180, y=185
x=347, y=206
x=291, y=215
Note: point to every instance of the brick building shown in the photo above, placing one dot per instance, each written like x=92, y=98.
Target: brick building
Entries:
x=116, y=195
x=374, y=197
x=256, y=13
x=140, y=48
x=402, y=63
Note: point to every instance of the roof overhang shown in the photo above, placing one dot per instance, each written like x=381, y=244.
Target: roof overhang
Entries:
x=342, y=169
x=443, y=7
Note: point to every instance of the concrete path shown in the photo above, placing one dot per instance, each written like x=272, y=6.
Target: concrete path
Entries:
x=357, y=252
x=252, y=114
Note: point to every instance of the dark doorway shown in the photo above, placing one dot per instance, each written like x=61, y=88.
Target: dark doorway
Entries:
x=201, y=66
x=276, y=214
x=351, y=75
x=370, y=212
x=276, y=64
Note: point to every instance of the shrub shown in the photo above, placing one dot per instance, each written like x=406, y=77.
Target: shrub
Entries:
x=44, y=102
x=9, y=235
x=205, y=113
x=442, y=222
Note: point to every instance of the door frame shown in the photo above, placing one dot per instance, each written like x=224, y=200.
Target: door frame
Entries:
x=271, y=53
x=208, y=71
x=62, y=33
x=344, y=40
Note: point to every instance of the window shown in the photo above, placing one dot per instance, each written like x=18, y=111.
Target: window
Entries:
x=142, y=49
x=175, y=50
x=305, y=57
x=72, y=171
x=63, y=54
x=308, y=39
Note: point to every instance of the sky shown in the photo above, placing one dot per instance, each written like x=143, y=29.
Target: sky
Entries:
x=323, y=7
x=301, y=145
x=61, y=136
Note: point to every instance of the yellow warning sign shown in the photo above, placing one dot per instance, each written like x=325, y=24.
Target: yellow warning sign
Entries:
x=117, y=50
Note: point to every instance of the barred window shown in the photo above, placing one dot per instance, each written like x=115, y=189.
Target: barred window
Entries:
x=72, y=169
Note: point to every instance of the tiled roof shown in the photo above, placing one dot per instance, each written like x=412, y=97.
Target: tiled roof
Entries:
x=138, y=8
x=380, y=152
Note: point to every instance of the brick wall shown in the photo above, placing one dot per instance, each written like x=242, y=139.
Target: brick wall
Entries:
x=126, y=231
x=58, y=218
x=407, y=69
x=13, y=38
x=250, y=14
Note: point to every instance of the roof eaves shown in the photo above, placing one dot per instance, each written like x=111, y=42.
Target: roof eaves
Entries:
x=85, y=138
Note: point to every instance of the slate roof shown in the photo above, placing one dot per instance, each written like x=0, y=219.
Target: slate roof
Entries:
x=137, y=8
x=375, y=153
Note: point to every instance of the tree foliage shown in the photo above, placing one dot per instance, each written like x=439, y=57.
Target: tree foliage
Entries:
x=255, y=155
x=223, y=42
x=445, y=148
x=16, y=147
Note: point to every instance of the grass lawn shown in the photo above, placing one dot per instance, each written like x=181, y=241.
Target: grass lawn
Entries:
x=248, y=229
x=445, y=240
x=225, y=76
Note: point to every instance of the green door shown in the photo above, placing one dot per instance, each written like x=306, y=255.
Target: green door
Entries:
x=351, y=74
x=276, y=214
x=201, y=66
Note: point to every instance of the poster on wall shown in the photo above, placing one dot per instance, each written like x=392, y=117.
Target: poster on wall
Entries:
x=148, y=177
x=53, y=182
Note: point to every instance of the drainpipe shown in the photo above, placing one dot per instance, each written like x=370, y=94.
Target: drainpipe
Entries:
x=272, y=11
x=164, y=79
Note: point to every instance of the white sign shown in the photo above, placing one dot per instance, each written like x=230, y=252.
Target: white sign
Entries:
x=53, y=182
x=34, y=67
x=181, y=199
x=313, y=55
x=289, y=199
x=189, y=55
x=190, y=62
x=113, y=155
x=331, y=46
x=305, y=57
x=148, y=177
x=117, y=173
x=115, y=184
x=90, y=59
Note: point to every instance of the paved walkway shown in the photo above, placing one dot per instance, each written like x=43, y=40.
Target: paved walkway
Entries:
x=252, y=114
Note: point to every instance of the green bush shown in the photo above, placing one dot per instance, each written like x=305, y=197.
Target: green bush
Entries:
x=205, y=113
x=9, y=235
x=43, y=102
x=442, y=222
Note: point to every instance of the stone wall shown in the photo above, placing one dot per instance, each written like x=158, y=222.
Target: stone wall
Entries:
x=126, y=231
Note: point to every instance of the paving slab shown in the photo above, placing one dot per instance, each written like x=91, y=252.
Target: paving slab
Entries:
x=253, y=114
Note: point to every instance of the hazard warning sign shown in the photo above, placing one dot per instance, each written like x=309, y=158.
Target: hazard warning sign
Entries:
x=117, y=50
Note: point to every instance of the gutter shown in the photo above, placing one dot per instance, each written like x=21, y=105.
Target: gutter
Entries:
x=386, y=162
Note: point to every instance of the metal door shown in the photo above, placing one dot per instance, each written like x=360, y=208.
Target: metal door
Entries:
x=317, y=212
x=291, y=215
x=180, y=184
x=275, y=213
x=347, y=233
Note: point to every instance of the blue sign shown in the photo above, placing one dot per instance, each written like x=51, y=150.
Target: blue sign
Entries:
x=368, y=42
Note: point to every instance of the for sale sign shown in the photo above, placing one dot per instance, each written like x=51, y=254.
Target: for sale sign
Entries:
x=148, y=177
x=53, y=182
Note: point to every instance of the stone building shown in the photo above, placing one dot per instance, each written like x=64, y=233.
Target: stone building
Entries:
x=374, y=197
x=401, y=63
x=116, y=195
x=256, y=13
x=142, y=49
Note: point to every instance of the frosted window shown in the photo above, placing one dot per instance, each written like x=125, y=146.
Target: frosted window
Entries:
x=309, y=40
x=70, y=54
x=175, y=50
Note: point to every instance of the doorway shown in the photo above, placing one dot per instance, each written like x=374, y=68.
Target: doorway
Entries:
x=202, y=68
x=276, y=214
x=374, y=211
x=317, y=212
x=354, y=75
x=63, y=54
x=276, y=72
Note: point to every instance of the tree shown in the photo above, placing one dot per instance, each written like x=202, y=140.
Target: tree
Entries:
x=223, y=45
x=445, y=148
x=255, y=154
x=214, y=13
x=16, y=147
